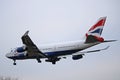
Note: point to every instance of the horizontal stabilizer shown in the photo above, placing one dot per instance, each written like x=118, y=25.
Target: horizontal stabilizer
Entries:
x=110, y=40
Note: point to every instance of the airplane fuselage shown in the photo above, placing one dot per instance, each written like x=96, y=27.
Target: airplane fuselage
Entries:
x=54, y=50
x=66, y=48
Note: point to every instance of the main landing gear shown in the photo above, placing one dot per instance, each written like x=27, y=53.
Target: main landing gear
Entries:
x=53, y=60
x=38, y=59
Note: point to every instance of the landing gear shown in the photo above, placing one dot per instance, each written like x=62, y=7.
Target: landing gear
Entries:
x=14, y=62
x=38, y=59
x=53, y=60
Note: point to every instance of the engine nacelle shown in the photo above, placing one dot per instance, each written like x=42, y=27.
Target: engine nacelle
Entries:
x=76, y=57
x=21, y=49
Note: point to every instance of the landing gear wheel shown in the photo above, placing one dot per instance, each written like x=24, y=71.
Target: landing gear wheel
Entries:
x=14, y=62
x=54, y=62
x=39, y=61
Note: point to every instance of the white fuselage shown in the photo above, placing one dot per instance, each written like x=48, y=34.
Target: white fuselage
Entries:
x=66, y=46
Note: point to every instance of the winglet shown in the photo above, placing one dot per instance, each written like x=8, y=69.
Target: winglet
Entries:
x=26, y=33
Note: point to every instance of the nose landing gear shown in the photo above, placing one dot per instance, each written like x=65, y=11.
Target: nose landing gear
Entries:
x=14, y=62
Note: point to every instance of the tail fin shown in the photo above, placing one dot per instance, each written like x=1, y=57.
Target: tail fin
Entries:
x=95, y=31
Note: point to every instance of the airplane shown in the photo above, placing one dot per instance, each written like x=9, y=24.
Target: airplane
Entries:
x=55, y=52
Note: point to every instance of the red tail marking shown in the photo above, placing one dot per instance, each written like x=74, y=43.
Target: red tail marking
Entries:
x=100, y=39
x=101, y=22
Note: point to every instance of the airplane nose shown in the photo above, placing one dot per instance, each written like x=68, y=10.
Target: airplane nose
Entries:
x=8, y=55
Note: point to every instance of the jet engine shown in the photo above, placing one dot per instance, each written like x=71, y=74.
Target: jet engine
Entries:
x=76, y=57
x=21, y=49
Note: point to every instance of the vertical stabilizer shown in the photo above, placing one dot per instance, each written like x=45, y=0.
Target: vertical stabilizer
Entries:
x=95, y=31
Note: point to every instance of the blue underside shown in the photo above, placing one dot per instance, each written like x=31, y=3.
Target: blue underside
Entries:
x=49, y=54
x=59, y=53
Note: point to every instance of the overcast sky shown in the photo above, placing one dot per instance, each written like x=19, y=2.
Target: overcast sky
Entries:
x=54, y=21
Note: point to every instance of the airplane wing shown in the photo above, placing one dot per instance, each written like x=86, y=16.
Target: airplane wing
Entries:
x=95, y=50
x=85, y=52
x=32, y=49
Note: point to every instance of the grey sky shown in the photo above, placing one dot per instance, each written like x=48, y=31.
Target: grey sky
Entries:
x=54, y=21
